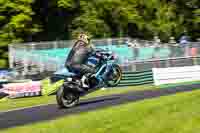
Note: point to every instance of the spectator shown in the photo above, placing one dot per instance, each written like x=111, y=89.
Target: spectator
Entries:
x=193, y=52
x=198, y=39
x=129, y=43
x=172, y=41
x=173, y=47
x=157, y=41
x=184, y=40
x=135, y=47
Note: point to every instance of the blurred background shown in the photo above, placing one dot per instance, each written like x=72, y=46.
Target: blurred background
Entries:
x=162, y=22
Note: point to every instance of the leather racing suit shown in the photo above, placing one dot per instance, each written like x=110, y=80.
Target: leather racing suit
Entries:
x=76, y=60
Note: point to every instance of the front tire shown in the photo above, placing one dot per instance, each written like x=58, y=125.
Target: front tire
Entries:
x=115, y=77
x=66, y=99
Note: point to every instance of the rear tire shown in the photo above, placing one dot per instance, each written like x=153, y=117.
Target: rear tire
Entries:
x=66, y=99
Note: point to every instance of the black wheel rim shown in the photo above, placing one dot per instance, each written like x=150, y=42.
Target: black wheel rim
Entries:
x=68, y=98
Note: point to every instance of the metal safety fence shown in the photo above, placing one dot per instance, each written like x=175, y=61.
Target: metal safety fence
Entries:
x=38, y=58
x=136, y=78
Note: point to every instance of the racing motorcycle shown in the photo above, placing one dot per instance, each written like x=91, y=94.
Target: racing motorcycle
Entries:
x=108, y=74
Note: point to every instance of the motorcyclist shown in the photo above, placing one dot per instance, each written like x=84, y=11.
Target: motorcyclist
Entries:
x=76, y=60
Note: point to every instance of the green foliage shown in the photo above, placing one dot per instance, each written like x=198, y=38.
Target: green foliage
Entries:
x=118, y=14
x=196, y=16
x=89, y=22
x=28, y=20
x=3, y=63
x=101, y=18
x=16, y=22
x=70, y=4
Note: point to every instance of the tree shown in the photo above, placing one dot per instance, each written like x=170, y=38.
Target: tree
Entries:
x=196, y=23
x=89, y=21
x=17, y=23
x=118, y=14
x=36, y=20
x=188, y=9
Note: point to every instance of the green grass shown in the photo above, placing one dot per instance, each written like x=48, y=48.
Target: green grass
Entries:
x=178, y=113
x=34, y=101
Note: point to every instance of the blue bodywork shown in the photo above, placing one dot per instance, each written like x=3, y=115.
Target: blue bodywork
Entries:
x=101, y=74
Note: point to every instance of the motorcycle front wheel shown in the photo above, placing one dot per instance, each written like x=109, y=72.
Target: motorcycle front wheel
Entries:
x=114, y=77
x=66, y=99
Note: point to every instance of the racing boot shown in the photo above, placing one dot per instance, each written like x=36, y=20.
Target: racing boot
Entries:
x=84, y=81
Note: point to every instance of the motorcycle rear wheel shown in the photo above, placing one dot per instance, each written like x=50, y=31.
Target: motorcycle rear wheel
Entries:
x=66, y=99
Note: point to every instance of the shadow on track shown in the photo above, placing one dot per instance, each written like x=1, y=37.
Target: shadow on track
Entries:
x=83, y=103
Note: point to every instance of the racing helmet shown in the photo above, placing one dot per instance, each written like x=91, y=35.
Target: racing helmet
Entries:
x=84, y=37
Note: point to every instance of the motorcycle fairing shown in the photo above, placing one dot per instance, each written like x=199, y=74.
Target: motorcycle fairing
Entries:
x=64, y=72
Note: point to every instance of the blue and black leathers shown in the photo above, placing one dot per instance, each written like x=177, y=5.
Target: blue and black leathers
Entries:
x=76, y=60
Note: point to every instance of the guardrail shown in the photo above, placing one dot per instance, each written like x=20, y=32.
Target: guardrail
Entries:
x=176, y=74
x=136, y=78
x=39, y=57
x=128, y=78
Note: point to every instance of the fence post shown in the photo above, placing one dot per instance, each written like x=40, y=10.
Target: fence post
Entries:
x=168, y=63
x=41, y=65
x=11, y=56
x=55, y=46
x=133, y=66
x=194, y=60
x=25, y=62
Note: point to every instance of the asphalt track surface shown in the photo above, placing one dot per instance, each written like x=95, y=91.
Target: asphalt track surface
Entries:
x=50, y=112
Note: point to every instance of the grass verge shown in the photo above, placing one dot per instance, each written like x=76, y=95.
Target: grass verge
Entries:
x=34, y=101
x=168, y=114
